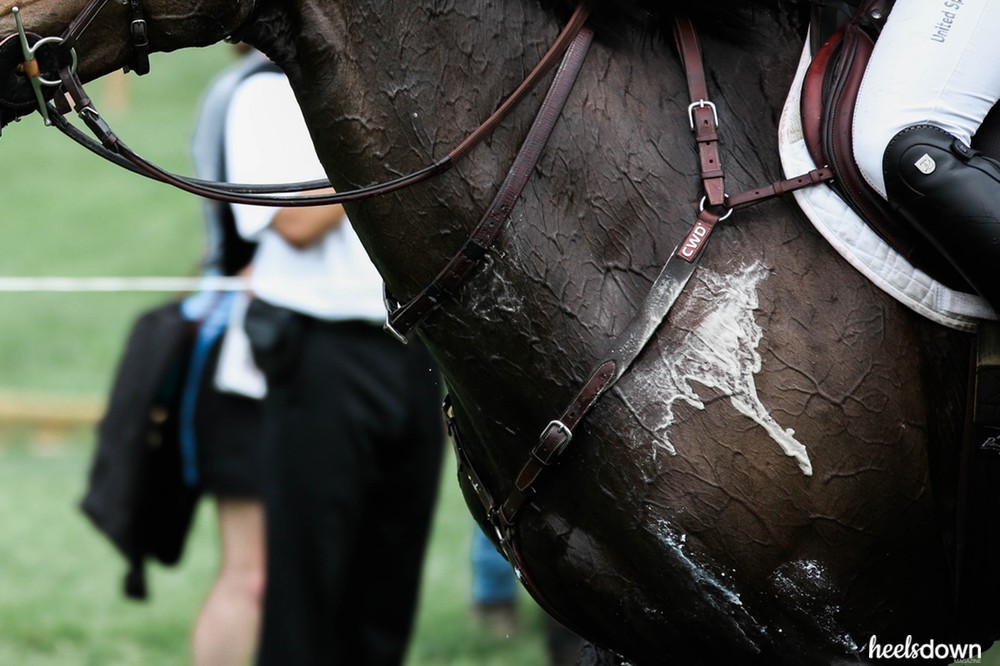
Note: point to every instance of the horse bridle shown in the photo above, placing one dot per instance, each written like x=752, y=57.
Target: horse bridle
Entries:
x=571, y=47
x=111, y=147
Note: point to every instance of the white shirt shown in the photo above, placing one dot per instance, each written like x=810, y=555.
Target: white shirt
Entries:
x=267, y=142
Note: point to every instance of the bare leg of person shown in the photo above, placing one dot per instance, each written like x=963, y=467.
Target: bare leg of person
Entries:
x=227, y=627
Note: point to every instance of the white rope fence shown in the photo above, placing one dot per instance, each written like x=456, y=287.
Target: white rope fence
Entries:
x=120, y=284
x=58, y=413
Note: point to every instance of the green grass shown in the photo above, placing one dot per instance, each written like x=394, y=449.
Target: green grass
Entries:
x=60, y=581
x=66, y=212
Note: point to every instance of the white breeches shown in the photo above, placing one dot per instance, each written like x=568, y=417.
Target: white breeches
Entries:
x=937, y=62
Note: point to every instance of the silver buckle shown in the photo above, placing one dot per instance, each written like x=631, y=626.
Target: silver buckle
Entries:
x=388, y=328
x=697, y=105
x=558, y=425
x=565, y=431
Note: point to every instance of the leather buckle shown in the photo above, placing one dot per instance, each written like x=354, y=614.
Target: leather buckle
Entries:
x=140, y=33
x=699, y=104
x=388, y=328
x=552, y=442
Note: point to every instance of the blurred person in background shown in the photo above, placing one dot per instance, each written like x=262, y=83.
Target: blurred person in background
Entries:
x=223, y=393
x=495, y=604
x=494, y=588
x=183, y=420
x=353, y=435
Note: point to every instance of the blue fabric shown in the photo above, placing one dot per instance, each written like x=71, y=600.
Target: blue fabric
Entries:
x=493, y=578
x=212, y=309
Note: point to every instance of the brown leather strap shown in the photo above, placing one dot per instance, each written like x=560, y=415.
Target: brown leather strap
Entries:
x=566, y=37
x=554, y=439
x=119, y=153
x=82, y=21
x=702, y=112
x=506, y=537
x=780, y=187
x=617, y=359
x=402, y=318
x=465, y=465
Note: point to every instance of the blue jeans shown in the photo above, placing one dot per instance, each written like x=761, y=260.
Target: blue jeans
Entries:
x=493, y=579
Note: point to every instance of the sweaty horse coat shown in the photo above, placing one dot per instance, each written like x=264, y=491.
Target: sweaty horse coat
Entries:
x=757, y=488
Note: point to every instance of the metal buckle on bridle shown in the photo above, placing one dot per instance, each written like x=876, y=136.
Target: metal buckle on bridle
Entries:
x=561, y=430
x=140, y=32
x=388, y=328
x=30, y=65
x=699, y=104
x=391, y=305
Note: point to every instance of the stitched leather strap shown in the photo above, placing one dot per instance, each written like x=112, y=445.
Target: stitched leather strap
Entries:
x=82, y=21
x=402, y=318
x=780, y=187
x=702, y=113
x=554, y=439
x=617, y=359
x=119, y=153
x=139, y=32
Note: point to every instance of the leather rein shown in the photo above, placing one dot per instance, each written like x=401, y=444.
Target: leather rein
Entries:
x=111, y=147
x=571, y=47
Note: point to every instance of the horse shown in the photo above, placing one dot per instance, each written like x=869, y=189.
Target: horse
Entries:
x=772, y=480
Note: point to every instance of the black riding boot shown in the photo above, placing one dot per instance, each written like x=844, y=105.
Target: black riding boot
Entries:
x=951, y=194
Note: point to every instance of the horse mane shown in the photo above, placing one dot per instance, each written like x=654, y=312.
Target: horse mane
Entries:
x=619, y=19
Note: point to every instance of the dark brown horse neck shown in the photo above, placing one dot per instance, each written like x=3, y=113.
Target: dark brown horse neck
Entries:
x=399, y=104
x=612, y=196
x=432, y=96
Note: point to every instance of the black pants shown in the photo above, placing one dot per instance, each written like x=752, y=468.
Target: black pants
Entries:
x=352, y=455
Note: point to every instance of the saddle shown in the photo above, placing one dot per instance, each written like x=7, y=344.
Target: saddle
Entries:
x=842, y=37
x=842, y=41
x=843, y=34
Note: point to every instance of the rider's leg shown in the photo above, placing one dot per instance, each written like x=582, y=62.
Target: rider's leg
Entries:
x=927, y=71
x=934, y=65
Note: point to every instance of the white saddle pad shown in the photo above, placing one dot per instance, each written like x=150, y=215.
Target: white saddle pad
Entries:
x=855, y=240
